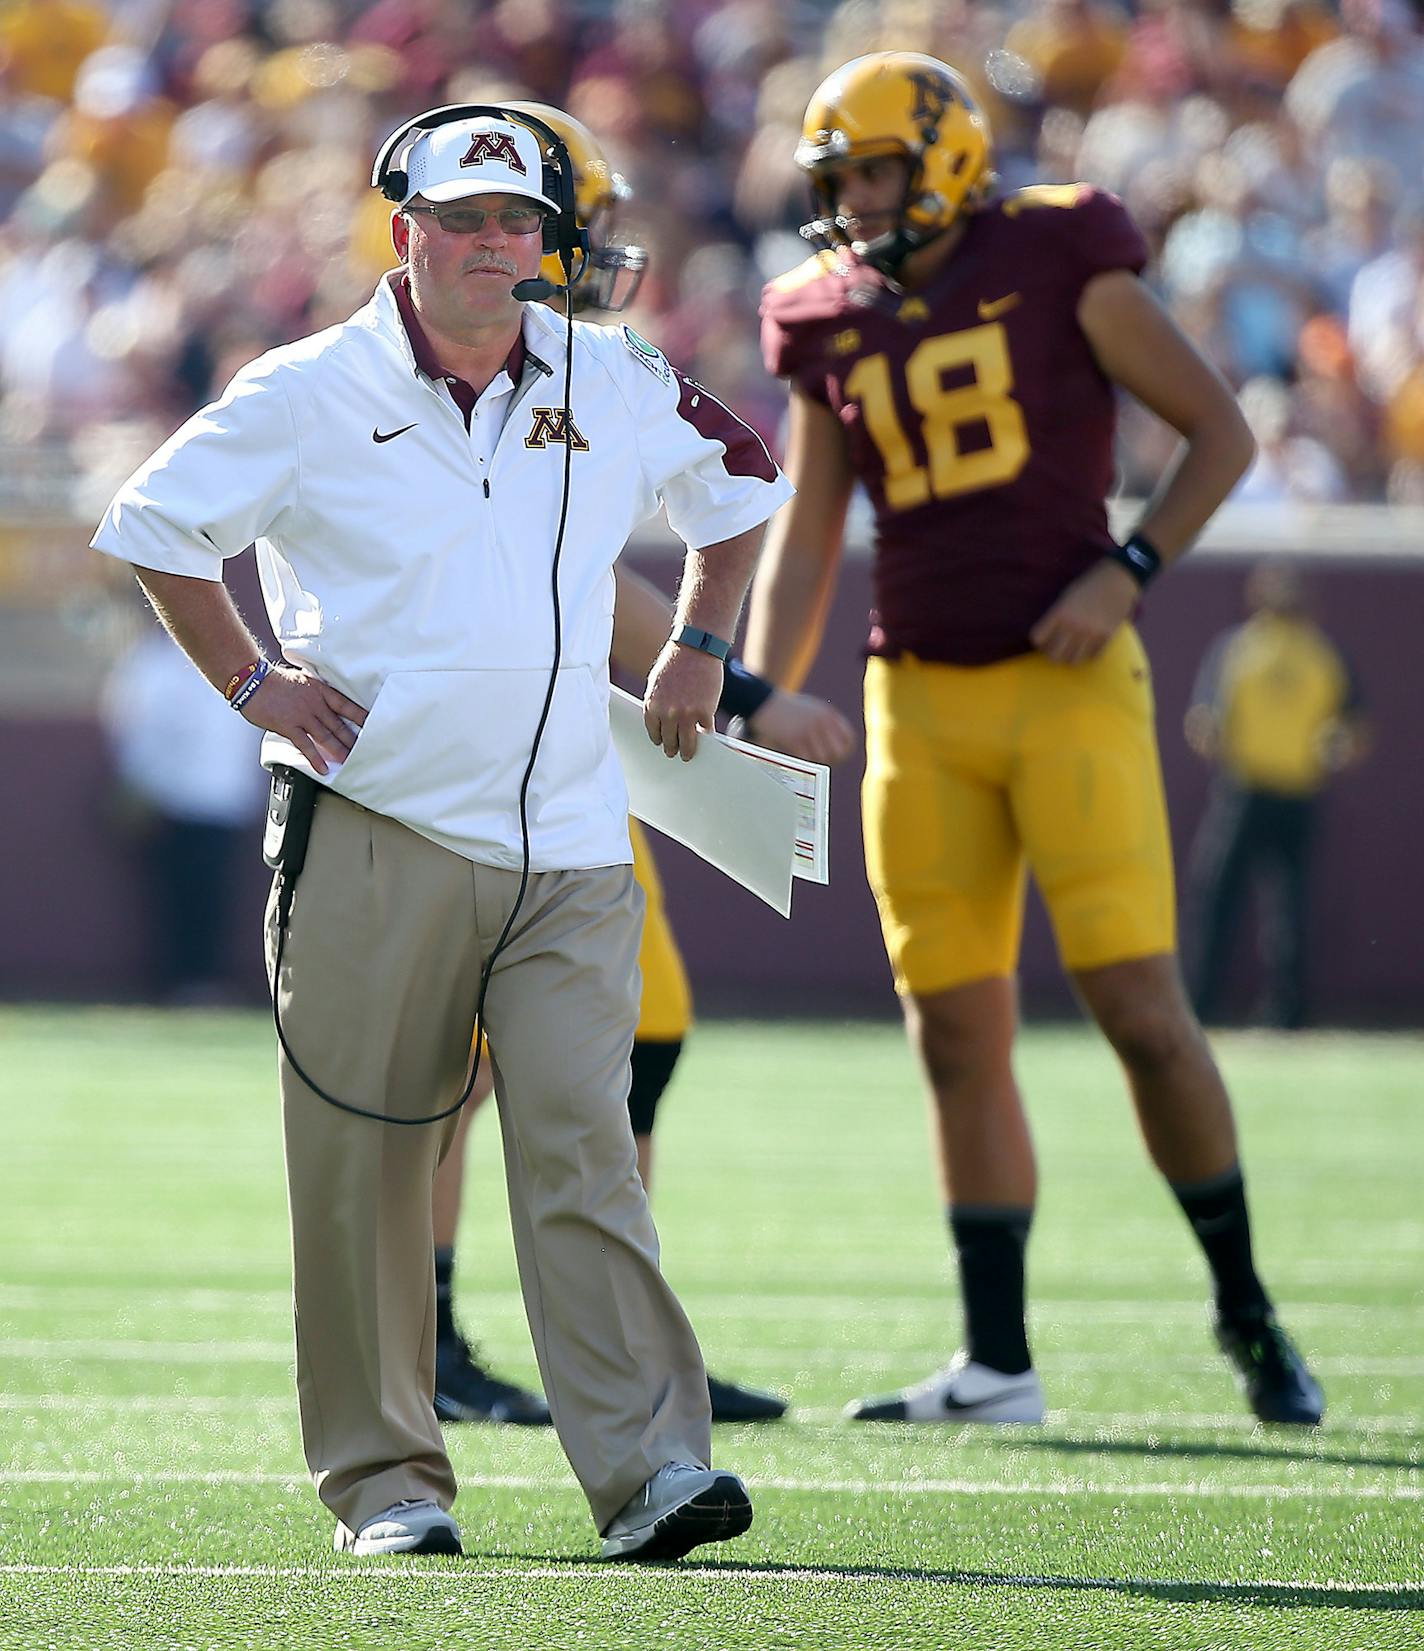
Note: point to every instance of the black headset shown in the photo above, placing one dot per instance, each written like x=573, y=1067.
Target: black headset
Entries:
x=562, y=234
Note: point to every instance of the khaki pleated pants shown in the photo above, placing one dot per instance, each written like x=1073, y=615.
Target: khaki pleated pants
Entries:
x=379, y=979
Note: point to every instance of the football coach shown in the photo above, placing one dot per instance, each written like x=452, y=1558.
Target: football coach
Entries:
x=438, y=489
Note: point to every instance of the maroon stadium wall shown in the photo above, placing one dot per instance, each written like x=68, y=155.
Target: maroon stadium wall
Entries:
x=74, y=926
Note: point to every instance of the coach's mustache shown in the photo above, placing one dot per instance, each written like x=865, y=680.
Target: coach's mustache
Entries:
x=490, y=260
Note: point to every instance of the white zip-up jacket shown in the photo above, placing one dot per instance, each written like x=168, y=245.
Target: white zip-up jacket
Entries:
x=421, y=589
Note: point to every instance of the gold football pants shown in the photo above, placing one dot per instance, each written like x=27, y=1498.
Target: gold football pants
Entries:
x=975, y=774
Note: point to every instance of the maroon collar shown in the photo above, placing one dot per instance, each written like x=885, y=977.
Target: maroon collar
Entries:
x=424, y=352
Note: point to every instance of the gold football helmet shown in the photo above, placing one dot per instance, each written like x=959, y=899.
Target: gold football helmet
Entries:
x=897, y=103
x=615, y=270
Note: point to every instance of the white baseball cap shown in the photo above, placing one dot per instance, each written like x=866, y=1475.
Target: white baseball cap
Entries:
x=484, y=156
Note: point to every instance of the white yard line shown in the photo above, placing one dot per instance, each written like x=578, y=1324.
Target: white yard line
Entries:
x=731, y=1304
x=869, y=1358
x=1342, y=1364
x=1045, y=1489
x=82, y=1404
x=1080, y=1422
x=734, y=1575
x=104, y=1297
x=1377, y=1249
x=85, y=1404
x=159, y=1352
x=1050, y=1312
x=182, y=1404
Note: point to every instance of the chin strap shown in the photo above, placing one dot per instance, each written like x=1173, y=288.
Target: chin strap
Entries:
x=887, y=252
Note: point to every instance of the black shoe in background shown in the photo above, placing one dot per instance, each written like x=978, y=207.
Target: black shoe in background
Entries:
x=1272, y=1374
x=466, y=1392
x=731, y=1403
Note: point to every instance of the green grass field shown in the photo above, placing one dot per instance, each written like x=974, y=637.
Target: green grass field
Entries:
x=151, y=1483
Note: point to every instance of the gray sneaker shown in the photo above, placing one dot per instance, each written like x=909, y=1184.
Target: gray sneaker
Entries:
x=408, y=1527
x=681, y=1507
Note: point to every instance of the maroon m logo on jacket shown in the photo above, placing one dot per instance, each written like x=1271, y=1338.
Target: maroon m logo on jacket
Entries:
x=554, y=424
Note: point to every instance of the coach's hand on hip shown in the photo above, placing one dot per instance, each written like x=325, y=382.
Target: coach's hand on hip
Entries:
x=683, y=688
x=310, y=713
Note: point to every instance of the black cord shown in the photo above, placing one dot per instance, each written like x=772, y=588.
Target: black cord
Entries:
x=286, y=888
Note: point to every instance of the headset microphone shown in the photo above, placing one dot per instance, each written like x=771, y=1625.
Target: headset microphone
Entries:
x=534, y=290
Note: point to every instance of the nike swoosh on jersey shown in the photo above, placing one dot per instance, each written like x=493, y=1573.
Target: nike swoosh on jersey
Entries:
x=391, y=435
x=991, y=307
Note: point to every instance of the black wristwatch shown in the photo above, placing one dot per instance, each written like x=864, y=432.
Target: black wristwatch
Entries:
x=704, y=641
x=1140, y=557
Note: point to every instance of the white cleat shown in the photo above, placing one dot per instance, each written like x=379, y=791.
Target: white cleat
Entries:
x=962, y=1392
x=408, y=1527
x=681, y=1507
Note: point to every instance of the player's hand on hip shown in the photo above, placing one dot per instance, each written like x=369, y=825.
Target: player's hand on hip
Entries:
x=803, y=726
x=683, y=688
x=1080, y=623
x=313, y=715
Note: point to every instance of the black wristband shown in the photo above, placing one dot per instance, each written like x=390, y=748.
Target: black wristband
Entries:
x=743, y=691
x=690, y=637
x=1140, y=557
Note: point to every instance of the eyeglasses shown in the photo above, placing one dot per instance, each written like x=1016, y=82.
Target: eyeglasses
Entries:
x=470, y=220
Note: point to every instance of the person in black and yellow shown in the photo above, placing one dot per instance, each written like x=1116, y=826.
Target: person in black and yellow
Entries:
x=1276, y=709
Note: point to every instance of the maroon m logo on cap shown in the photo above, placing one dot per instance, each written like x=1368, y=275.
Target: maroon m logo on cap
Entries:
x=495, y=146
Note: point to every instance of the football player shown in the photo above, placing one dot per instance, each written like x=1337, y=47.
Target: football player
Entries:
x=464, y=1389
x=957, y=354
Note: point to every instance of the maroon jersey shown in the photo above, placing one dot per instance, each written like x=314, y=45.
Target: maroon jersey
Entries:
x=975, y=414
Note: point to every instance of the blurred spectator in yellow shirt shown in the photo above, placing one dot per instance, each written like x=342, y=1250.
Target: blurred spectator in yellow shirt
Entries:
x=25, y=121
x=48, y=40
x=1276, y=710
x=1270, y=39
x=119, y=126
x=1073, y=47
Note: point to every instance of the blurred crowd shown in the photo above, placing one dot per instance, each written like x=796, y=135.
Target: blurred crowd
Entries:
x=186, y=182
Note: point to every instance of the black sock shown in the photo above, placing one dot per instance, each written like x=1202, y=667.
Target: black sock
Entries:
x=989, y=1241
x=1218, y=1216
x=444, y=1290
